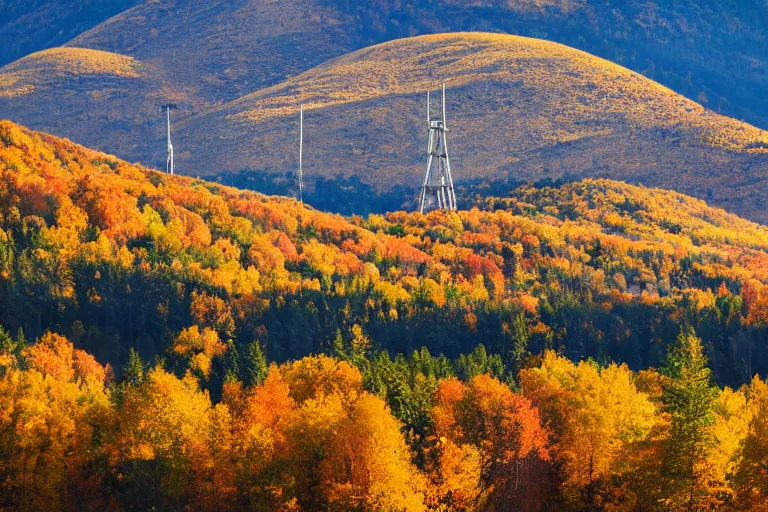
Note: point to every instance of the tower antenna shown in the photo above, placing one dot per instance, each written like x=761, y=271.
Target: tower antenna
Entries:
x=301, y=153
x=169, y=158
x=437, y=190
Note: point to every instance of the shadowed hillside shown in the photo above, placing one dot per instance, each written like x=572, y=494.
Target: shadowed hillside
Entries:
x=27, y=26
x=103, y=99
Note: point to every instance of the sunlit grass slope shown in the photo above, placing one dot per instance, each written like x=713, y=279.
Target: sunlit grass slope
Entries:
x=518, y=108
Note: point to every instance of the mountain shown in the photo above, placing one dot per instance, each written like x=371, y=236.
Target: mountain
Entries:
x=27, y=26
x=519, y=109
x=713, y=52
x=225, y=49
x=220, y=59
x=116, y=256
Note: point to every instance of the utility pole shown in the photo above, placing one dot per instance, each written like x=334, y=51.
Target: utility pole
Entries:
x=437, y=190
x=169, y=159
x=301, y=153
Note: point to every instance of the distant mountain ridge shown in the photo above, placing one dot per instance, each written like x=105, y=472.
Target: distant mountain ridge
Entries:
x=710, y=51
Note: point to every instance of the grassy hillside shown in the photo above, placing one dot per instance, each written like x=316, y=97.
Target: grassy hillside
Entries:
x=226, y=49
x=519, y=109
x=713, y=52
x=100, y=98
x=116, y=256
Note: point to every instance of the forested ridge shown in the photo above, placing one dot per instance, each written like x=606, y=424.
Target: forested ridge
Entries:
x=177, y=344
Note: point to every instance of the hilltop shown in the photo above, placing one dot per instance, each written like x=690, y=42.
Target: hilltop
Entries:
x=116, y=256
x=104, y=99
x=28, y=26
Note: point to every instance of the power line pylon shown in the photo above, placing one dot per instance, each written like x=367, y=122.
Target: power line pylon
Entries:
x=301, y=153
x=437, y=190
x=169, y=159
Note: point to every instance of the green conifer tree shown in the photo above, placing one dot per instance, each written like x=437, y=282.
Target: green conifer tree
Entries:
x=133, y=372
x=7, y=345
x=232, y=366
x=257, y=367
x=689, y=398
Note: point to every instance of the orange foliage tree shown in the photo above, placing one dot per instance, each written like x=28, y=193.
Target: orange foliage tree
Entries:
x=505, y=429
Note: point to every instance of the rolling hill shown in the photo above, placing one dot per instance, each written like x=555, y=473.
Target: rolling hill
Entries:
x=519, y=109
x=711, y=51
x=100, y=98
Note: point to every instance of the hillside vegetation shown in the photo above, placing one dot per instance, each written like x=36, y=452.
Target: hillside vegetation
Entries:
x=102, y=258
x=118, y=256
x=519, y=109
x=26, y=75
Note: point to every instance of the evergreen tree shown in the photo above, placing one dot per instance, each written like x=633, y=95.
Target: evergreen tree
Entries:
x=479, y=362
x=519, y=349
x=256, y=367
x=232, y=366
x=21, y=340
x=689, y=399
x=7, y=345
x=133, y=372
x=10, y=346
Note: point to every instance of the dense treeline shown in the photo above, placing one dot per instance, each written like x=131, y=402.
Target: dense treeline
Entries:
x=115, y=257
x=365, y=432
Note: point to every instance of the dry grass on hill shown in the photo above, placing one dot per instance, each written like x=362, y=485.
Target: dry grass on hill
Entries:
x=519, y=108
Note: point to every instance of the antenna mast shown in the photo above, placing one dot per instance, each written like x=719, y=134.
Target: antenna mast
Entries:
x=301, y=152
x=437, y=190
x=169, y=158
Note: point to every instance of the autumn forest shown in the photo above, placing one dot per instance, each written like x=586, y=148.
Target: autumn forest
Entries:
x=169, y=343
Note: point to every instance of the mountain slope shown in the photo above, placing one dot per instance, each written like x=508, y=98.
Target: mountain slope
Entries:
x=713, y=52
x=116, y=256
x=518, y=109
x=99, y=98
x=225, y=49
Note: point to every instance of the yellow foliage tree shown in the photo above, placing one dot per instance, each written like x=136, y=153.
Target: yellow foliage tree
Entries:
x=596, y=415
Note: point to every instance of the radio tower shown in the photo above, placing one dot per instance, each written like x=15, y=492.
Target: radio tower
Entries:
x=301, y=151
x=169, y=160
x=438, y=183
